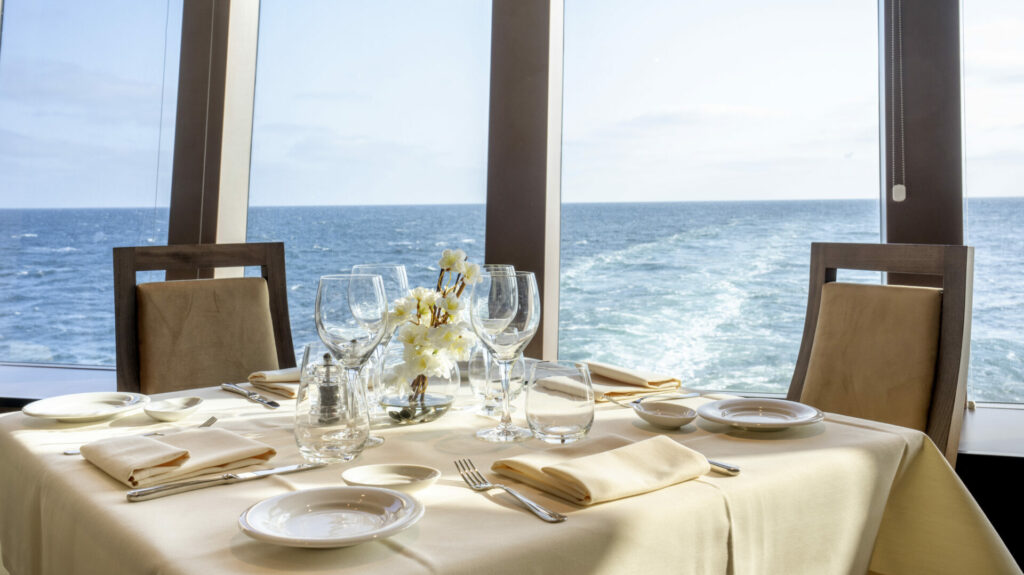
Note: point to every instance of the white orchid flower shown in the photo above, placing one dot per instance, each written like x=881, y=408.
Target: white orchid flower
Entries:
x=450, y=304
x=471, y=274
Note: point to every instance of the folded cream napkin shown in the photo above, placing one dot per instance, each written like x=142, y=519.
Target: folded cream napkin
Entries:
x=621, y=382
x=608, y=468
x=280, y=381
x=139, y=461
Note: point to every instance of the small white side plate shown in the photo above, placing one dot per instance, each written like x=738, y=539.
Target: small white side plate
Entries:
x=84, y=407
x=760, y=414
x=397, y=476
x=173, y=409
x=664, y=414
x=330, y=516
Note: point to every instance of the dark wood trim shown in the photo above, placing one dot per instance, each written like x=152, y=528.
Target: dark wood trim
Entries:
x=199, y=124
x=523, y=199
x=954, y=267
x=933, y=210
x=185, y=259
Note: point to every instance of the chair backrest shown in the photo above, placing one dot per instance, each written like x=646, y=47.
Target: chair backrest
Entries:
x=953, y=266
x=192, y=259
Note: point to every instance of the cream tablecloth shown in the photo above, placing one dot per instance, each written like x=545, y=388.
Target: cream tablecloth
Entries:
x=834, y=497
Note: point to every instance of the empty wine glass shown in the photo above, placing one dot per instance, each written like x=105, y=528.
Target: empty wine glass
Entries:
x=505, y=313
x=351, y=319
x=396, y=286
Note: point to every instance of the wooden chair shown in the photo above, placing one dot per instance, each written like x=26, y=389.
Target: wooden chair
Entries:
x=193, y=260
x=953, y=267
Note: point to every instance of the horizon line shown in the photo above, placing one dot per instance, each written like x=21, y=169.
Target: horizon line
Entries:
x=484, y=203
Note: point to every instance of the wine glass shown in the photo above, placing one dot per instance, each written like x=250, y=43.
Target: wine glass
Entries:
x=351, y=319
x=396, y=286
x=479, y=366
x=505, y=312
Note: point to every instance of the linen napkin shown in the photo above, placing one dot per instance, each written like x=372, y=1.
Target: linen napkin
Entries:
x=620, y=382
x=614, y=468
x=283, y=382
x=140, y=461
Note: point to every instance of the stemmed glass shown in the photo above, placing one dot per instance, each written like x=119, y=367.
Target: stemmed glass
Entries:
x=396, y=286
x=505, y=312
x=351, y=319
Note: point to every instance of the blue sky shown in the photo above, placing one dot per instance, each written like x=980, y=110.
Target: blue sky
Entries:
x=386, y=102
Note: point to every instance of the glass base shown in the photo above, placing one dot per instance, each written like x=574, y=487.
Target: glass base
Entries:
x=374, y=441
x=500, y=434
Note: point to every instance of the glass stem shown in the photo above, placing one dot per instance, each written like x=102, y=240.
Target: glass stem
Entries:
x=355, y=379
x=505, y=370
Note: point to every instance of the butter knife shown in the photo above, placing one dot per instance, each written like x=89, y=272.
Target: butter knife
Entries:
x=147, y=493
x=250, y=395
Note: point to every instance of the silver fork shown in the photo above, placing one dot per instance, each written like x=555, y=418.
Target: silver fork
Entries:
x=477, y=482
x=206, y=423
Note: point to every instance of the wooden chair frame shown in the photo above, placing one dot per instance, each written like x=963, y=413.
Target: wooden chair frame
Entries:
x=178, y=259
x=954, y=266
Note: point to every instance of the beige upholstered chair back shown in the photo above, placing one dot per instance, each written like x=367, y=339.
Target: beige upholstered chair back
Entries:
x=203, y=332
x=890, y=353
x=177, y=335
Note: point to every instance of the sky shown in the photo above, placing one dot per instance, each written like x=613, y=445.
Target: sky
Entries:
x=386, y=102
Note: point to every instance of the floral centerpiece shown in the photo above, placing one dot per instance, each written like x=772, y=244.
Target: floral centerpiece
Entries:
x=434, y=330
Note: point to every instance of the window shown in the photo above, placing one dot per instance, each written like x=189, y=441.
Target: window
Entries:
x=993, y=51
x=87, y=94
x=705, y=147
x=369, y=138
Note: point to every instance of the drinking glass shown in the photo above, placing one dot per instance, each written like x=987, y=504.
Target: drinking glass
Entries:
x=559, y=401
x=331, y=422
x=396, y=286
x=351, y=319
x=505, y=312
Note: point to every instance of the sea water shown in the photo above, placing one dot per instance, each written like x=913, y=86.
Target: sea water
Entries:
x=712, y=292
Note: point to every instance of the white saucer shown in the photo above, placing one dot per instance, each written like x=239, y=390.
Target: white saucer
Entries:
x=173, y=409
x=330, y=516
x=397, y=476
x=760, y=414
x=83, y=407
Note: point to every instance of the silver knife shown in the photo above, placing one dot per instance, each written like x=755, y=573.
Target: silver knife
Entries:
x=155, y=491
x=251, y=395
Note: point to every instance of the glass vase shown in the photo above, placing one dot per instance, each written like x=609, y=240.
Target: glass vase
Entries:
x=419, y=399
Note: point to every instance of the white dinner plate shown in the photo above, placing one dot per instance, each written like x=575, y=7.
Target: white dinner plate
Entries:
x=330, y=516
x=760, y=414
x=82, y=407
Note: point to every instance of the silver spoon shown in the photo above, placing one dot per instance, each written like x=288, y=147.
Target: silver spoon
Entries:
x=206, y=423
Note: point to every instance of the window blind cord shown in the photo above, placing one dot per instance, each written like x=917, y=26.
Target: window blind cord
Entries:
x=899, y=189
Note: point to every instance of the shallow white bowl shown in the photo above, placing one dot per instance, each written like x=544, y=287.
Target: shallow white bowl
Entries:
x=664, y=414
x=173, y=409
x=398, y=476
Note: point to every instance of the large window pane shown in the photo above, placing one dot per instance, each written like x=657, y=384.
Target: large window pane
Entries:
x=705, y=147
x=87, y=94
x=369, y=138
x=993, y=46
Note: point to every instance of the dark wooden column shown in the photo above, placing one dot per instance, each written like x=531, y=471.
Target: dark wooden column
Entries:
x=933, y=210
x=524, y=151
x=199, y=123
x=213, y=128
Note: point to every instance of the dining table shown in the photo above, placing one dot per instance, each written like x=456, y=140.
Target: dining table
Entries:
x=843, y=495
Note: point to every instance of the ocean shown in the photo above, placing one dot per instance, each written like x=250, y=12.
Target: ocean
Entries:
x=713, y=292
